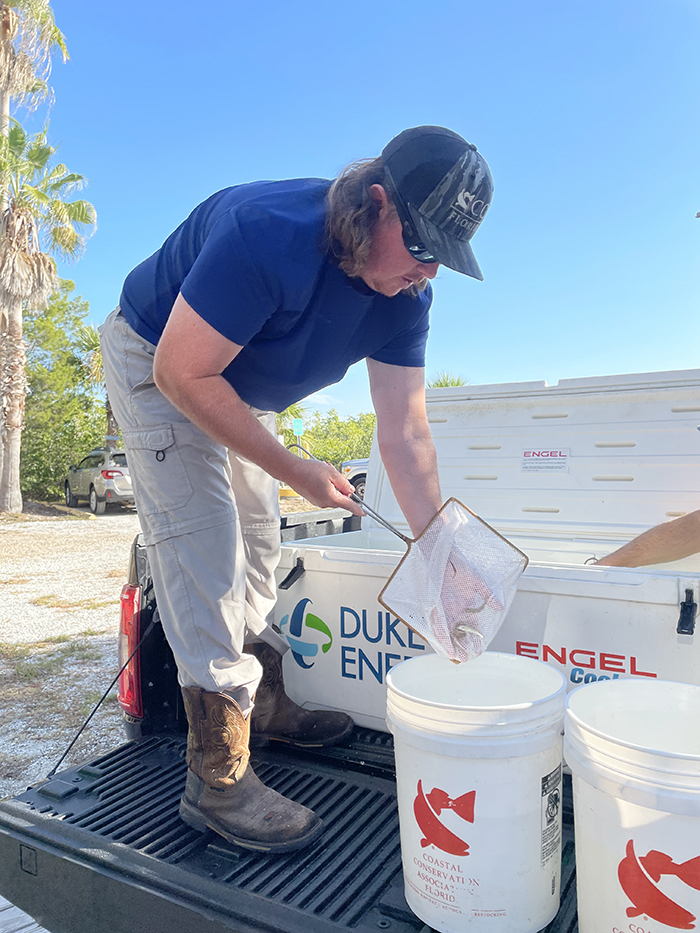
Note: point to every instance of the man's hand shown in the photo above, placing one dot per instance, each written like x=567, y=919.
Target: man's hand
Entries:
x=323, y=486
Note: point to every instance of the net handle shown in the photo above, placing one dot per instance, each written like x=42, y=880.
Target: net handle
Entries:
x=361, y=502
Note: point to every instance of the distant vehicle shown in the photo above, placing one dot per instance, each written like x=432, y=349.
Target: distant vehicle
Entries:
x=99, y=478
x=356, y=472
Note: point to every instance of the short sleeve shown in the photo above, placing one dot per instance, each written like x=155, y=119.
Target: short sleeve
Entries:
x=228, y=287
x=408, y=347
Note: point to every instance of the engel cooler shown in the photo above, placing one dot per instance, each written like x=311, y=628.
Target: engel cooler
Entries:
x=567, y=473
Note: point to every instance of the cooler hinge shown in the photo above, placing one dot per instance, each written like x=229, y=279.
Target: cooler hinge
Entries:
x=686, y=620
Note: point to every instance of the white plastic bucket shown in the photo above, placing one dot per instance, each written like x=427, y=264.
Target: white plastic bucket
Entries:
x=478, y=771
x=633, y=747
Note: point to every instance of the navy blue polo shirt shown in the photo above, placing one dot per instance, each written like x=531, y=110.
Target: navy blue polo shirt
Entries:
x=250, y=260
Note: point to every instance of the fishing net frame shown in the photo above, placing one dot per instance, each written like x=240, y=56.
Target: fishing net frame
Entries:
x=455, y=583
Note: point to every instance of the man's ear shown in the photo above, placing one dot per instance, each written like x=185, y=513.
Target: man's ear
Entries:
x=378, y=192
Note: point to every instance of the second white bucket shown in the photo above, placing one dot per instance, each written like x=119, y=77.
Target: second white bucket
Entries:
x=479, y=780
x=633, y=747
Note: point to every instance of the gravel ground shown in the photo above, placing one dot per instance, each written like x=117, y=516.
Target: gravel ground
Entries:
x=61, y=573
x=60, y=580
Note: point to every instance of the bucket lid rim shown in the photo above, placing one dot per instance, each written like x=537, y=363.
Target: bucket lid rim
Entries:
x=559, y=692
x=499, y=706
x=686, y=756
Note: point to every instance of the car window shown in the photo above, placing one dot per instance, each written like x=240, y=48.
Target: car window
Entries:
x=85, y=463
x=119, y=460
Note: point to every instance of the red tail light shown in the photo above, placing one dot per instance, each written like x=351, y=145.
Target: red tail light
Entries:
x=110, y=474
x=129, y=694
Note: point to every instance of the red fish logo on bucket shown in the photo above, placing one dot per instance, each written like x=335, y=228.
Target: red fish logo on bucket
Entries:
x=639, y=878
x=427, y=809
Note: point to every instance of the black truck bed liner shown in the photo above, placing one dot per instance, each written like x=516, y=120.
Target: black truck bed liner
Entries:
x=106, y=841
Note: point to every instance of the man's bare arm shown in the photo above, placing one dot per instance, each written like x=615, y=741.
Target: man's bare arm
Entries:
x=666, y=542
x=189, y=360
x=405, y=441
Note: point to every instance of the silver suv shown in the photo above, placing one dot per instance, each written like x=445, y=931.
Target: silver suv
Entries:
x=356, y=472
x=101, y=477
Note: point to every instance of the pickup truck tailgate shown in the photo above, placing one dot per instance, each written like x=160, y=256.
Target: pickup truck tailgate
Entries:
x=106, y=840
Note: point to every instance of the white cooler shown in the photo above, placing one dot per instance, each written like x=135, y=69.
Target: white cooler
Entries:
x=567, y=473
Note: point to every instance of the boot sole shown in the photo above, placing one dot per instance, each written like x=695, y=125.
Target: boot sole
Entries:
x=193, y=817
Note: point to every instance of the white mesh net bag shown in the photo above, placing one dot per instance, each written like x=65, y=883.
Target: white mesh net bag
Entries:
x=455, y=583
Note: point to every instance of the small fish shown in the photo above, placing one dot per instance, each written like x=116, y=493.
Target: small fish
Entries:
x=464, y=629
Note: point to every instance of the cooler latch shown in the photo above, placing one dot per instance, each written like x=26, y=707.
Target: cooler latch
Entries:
x=686, y=620
x=298, y=571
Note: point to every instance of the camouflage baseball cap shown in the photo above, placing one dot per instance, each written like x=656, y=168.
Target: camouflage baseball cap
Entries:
x=442, y=189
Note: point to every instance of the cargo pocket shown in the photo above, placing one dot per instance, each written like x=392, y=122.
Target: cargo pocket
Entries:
x=161, y=482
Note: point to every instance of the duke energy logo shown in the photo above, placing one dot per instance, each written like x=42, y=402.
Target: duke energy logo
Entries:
x=298, y=621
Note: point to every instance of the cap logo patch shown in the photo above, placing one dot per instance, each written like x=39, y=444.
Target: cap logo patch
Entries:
x=460, y=202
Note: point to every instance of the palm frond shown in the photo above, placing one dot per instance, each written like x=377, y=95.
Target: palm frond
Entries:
x=444, y=380
x=69, y=182
x=37, y=212
x=88, y=340
x=285, y=418
x=17, y=139
x=81, y=212
x=38, y=155
x=57, y=212
x=58, y=171
x=29, y=41
x=34, y=196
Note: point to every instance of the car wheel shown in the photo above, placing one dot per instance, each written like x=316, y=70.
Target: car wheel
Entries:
x=97, y=505
x=359, y=484
x=71, y=501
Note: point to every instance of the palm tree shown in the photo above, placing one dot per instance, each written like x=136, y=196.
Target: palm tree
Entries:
x=35, y=215
x=443, y=380
x=28, y=36
x=89, y=345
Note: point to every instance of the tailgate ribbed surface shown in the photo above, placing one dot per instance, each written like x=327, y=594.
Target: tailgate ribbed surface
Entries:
x=350, y=879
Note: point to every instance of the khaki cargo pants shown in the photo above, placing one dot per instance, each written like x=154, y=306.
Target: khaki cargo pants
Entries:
x=210, y=521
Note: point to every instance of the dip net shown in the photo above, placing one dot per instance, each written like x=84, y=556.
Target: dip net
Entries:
x=455, y=583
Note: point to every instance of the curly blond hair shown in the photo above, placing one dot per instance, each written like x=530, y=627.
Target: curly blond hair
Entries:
x=352, y=213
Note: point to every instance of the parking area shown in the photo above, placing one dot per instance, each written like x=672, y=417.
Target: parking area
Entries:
x=62, y=576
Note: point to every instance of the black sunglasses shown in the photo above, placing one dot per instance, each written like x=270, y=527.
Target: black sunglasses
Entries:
x=417, y=250
x=416, y=247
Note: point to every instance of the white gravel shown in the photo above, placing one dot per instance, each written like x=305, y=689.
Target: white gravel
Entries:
x=63, y=576
x=60, y=580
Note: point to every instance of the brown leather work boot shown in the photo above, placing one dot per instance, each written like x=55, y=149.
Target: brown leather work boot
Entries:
x=222, y=790
x=277, y=717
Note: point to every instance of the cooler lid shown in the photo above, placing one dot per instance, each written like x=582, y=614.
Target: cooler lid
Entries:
x=614, y=454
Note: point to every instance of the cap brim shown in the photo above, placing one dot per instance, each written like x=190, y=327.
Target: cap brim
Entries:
x=448, y=250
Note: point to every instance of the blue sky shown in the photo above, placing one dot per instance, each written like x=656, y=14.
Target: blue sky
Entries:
x=587, y=113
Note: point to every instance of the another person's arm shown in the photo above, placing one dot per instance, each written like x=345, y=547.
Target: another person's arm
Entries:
x=669, y=541
x=405, y=442
x=189, y=360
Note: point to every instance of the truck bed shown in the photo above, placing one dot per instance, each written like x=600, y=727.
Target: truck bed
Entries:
x=106, y=841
